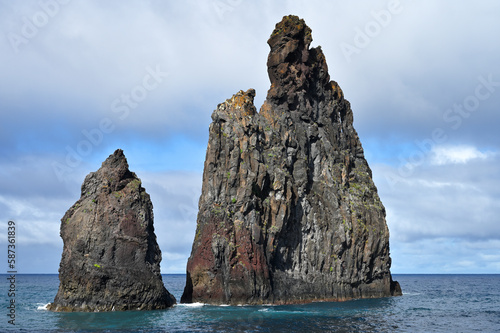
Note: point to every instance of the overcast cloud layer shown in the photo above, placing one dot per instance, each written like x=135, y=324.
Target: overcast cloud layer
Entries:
x=83, y=78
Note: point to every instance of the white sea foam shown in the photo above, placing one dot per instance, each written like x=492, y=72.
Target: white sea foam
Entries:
x=411, y=294
x=191, y=305
x=42, y=306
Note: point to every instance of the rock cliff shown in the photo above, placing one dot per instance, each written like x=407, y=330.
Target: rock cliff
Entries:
x=110, y=260
x=288, y=212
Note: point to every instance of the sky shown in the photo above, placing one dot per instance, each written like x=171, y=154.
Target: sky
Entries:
x=83, y=78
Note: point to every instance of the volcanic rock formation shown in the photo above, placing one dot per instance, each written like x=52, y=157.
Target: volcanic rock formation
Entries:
x=110, y=260
x=288, y=211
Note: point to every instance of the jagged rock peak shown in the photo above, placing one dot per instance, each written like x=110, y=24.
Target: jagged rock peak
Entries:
x=298, y=74
x=289, y=211
x=110, y=260
x=117, y=162
x=289, y=41
x=114, y=170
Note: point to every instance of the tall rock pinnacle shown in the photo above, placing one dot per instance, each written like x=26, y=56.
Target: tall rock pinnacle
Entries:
x=110, y=260
x=288, y=212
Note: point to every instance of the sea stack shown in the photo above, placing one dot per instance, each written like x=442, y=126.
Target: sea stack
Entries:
x=110, y=260
x=288, y=212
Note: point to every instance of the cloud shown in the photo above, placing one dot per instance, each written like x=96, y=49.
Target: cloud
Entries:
x=174, y=195
x=90, y=53
x=444, y=216
x=442, y=200
x=175, y=198
x=445, y=256
x=457, y=154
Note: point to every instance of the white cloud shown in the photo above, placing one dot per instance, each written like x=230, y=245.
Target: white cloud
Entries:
x=445, y=255
x=91, y=53
x=175, y=198
x=37, y=218
x=444, y=217
x=457, y=154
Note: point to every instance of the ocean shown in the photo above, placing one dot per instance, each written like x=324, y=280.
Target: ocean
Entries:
x=430, y=303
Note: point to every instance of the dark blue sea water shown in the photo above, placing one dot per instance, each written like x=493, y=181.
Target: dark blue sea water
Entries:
x=431, y=303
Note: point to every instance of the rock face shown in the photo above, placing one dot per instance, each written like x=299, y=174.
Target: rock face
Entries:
x=110, y=260
x=288, y=212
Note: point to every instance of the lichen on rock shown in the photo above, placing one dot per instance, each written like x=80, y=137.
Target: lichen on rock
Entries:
x=288, y=211
x=110, y=260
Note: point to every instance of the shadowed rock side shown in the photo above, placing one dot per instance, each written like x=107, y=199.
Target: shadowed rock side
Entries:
x=110, y=260
x=288, y=212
